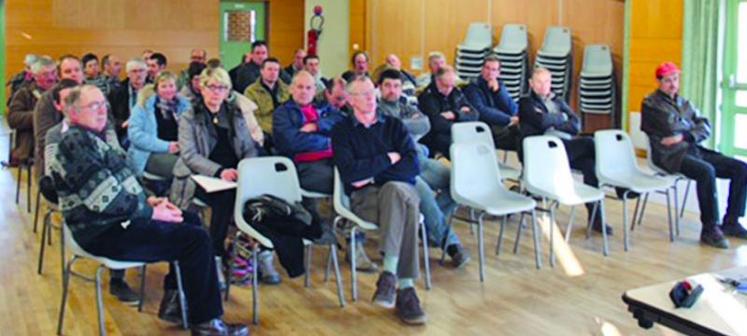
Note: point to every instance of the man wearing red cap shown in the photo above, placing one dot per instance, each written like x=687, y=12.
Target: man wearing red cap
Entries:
x=675, y=130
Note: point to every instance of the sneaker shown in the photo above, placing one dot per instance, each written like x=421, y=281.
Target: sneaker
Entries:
x=123, y=292
x=459, y=256
x=734, y=229
x=267, y=269
x=714, y=238
x=362, y=262
x=408, y=307
x=217, y=327
x=386, y=290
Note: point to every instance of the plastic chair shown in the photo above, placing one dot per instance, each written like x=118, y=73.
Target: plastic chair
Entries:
x=476, y=184
x=616, y=167
x=547, y=174
x=514, y=39
x=80, y=253
x=273, y=175
x=479, y=37
x=597, y=62
x=341, y=204
x=557, y=42
x=478, y=131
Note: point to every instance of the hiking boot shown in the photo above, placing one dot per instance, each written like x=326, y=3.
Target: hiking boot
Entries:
x=714, y=237
x=123, y=292
x=386, y=290
x=408, y=307
x=459, y=256
x=267, y=269
x=734, y=229
x=362, y=262
x=170, y=310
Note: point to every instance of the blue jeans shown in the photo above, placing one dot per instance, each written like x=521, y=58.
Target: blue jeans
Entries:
x=436, y=208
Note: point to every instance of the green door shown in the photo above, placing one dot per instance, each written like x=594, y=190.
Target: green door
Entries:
x=242, y=23
x=734, y=117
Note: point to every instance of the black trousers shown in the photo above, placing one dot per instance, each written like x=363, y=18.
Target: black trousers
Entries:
x=318, y=177
x=153, y=241
x=704, y=166
x=221, y=208
x=582, y=156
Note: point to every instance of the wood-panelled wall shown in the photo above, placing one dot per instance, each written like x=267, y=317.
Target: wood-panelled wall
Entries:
x=127, y=27
x=416, y=27
x=656, y=36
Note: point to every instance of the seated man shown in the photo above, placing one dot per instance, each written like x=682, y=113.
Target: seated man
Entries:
x=378, y=164
x=496, y=107
x=444, y=104
x=21, y=108
x=108, y=214
x=360, y=62
x=112, y=67
x=542, y=112
x=436, y=60
x=311, y=64
x=297, y=65
x=675, y=130
x=268, y=92
x=92, y=72
x=124, y=98
x=433, y=182
x=334, y=95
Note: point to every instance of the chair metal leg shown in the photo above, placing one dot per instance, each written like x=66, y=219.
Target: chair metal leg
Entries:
x=594, y=214
x=28, y=189
x=329, y=265
x=500, y=233
x=643, y=210
x=234, y=250
x=42, y=243
x=65, y=287
x=669, y=218
x=338, y=278
x=472, y=219
x=142, y=288
x=676, y=211
x=552, y=239
x=684, y=199
x=49, y=230
x=307, y=276
x=426, y=258
x=626, y=240
x=443, y=244
x=602, y=212
x=353, y=273
x=18, y=183
x=255, y=283
x=182, y=297
x=518, y=235
x=480, y=246
x=100, y=301
x=535, y=237
x=62, y=251
x=36, y=211
x=636, y=212
x=569, y=228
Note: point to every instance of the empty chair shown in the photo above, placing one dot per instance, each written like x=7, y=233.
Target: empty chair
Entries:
x=547, y=174
x=341, y=204
x=514, y=39
x=616, y=167
x=478, y=131
x=597, y=93
x=597, y=62
x=557, y=42
x=479, y=38
x=512, y=51
x=277, y=176
x=556, y=56
x=476, y=184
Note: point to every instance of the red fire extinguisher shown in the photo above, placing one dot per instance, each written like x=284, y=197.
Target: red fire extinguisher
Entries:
x=316, y=24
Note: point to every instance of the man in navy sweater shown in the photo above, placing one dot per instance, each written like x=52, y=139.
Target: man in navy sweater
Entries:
x=378, y=164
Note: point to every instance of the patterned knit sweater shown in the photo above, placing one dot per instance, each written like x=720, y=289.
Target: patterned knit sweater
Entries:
x=96, y=187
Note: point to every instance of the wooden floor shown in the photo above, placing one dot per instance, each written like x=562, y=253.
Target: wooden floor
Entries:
x=580, y=296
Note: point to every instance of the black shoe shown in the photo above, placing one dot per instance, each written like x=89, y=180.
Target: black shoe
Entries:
x=714, y=237
x=408, y=307
x=597, y=226
x=216, y=327
x=386, y=290
x=170, y=310
x=459, y=256
x=631, y=194
x=734, y=229
x=123, y=292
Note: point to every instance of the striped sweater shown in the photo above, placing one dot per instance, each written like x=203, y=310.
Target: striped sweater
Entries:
x=96, y=187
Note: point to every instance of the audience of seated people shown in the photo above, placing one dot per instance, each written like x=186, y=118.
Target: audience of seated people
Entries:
x=156, y=62
x=92, y=73
x=191, y=87
x=124, y=98
x=311, y=63
x=298, y=63
x=111, y=68
x=22, y=78
x=360, y=62
x=269, y=93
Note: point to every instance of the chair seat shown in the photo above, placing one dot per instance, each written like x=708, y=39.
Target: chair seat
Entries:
x=508, y=172
x=638, y=182
x=500, y=203
x=580, y=194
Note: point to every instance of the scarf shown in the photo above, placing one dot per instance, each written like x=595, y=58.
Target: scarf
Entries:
x=167, y=108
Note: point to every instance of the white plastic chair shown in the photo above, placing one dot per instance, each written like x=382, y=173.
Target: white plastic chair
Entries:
x=476, y=184
x=514, y=39
x=478, y=131
x=479, y=37
x=557, y=42
x=341, y=204
x=597, y=62
x=79, y=253
x=616, y=167
x=547, y=174
x=277, y=176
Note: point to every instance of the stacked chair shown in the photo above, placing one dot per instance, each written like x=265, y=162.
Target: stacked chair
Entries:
x=471, y=53
x=556, y=55
x=512, y=51
x=597, y=93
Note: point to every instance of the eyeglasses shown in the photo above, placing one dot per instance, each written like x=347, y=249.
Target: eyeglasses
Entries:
x=217, y=88
x=96, y=105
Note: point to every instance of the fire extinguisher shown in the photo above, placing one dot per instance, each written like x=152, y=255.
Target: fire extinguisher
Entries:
x=316, y=24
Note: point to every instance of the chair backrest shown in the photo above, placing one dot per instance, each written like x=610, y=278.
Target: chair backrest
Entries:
x=273, y=175
x=650, y=158
x=557, y=40
x=546, y=164
x=471, y=131
x=597, y=60
x=474, y=172
x=479, y=34
x=514, y=38
x=615, y=156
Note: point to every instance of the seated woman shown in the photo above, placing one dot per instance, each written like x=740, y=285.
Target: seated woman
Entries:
x=213, y=138
x=153, y=127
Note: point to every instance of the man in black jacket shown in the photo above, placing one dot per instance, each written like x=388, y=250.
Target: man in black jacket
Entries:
x=542, y=112
x=675, y=130
x=444, y=104
x=123, y=98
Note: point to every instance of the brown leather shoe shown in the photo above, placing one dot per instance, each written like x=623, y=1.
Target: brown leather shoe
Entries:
x=216, y=327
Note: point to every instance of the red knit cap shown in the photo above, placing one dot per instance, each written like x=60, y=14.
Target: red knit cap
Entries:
x=666, y=69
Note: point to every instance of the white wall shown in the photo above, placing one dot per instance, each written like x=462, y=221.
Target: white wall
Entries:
x=333, y=43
